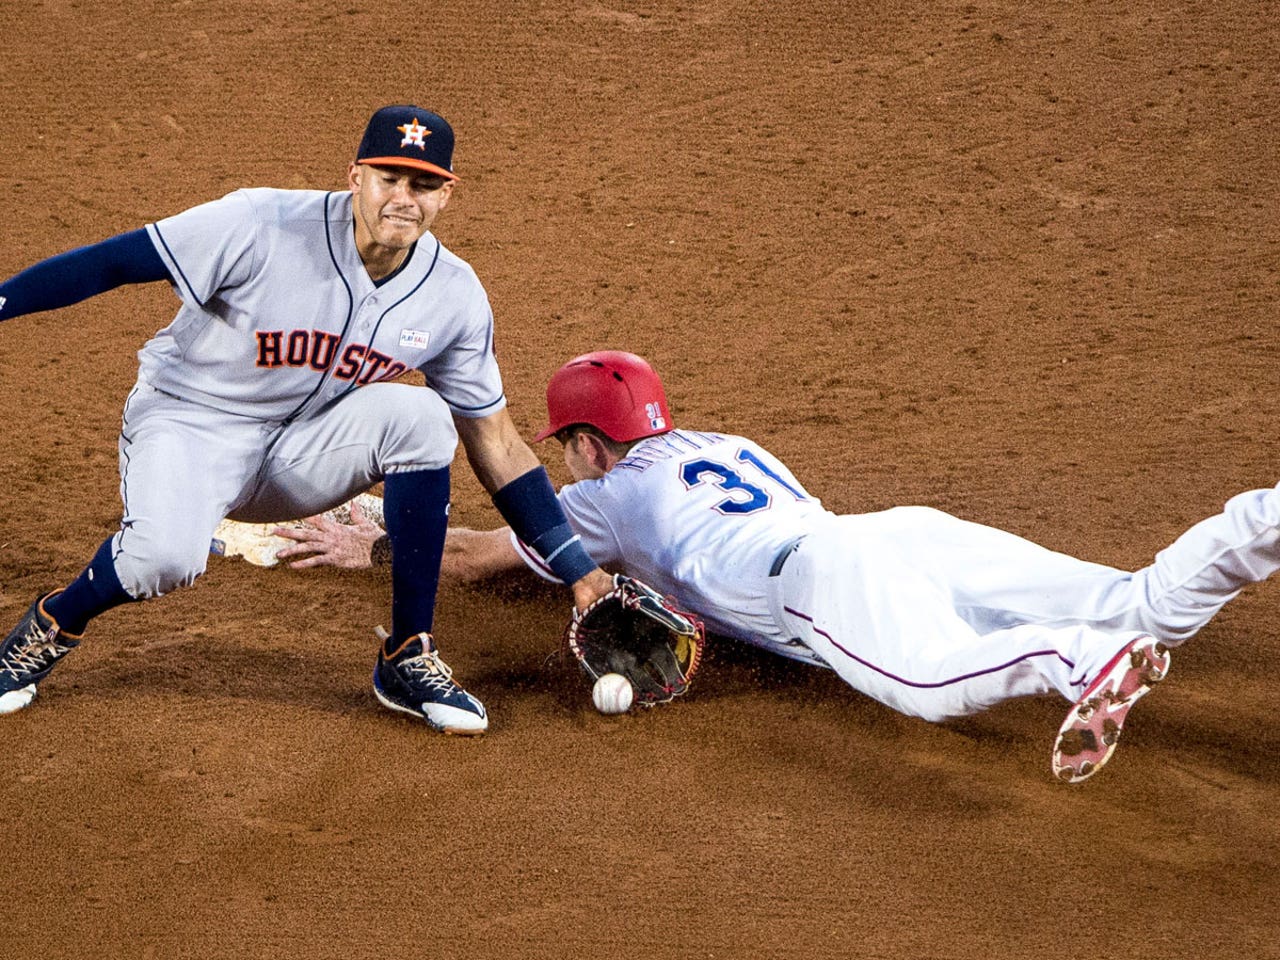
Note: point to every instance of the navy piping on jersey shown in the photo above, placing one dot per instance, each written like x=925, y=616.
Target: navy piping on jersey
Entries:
x=435, y=258
x=403, y=263
x=488, y=346
x=482, y=406
x=351, y=307
x=187, y=283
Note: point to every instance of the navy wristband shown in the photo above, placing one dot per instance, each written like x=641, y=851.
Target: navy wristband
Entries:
x=528, y=503
x=561, y=550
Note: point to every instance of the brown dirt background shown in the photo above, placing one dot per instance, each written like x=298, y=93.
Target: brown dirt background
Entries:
x=1014, y=260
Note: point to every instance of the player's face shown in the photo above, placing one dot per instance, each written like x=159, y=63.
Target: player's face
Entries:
x=395, y=206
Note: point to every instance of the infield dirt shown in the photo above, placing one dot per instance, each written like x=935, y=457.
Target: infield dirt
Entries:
x=1016, y=261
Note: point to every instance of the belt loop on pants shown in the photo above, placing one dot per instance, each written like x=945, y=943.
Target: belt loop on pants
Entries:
x=787, y=550
x=774, y=588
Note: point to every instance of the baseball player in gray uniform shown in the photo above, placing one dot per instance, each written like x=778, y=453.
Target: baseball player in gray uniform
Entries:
x=934, y=616
x=269, y=396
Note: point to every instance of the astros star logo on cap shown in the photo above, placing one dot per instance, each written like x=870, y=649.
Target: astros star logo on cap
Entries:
x=414, y=134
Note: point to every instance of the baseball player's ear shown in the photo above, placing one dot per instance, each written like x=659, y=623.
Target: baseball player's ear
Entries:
x=353, y=175
x=597, y=452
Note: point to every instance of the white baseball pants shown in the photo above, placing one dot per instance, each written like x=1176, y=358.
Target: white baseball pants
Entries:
x=938, y=617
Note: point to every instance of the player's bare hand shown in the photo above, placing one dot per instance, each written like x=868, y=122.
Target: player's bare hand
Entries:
x=590, y=588
x=324, y=542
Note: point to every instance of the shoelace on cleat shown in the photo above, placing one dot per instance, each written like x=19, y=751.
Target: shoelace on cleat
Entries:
x=34, y=650
x=427, y=669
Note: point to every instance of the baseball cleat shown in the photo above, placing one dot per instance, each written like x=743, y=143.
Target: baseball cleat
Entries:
x=28, y=654
x=416, y=681
x=1089, y=735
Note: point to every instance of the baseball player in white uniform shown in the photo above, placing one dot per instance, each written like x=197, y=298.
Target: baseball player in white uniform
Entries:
x=269, y=396
x=934, y=616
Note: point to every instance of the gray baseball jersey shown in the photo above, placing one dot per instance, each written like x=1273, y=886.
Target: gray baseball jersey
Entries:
x=279, y=319
x=279, y=316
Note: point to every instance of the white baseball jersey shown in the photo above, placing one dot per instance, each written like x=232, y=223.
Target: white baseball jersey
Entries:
x=698, y=516
x=280, y=317
x=932, y=615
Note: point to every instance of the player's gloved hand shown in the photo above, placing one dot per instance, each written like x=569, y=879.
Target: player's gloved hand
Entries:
x=635, y=631
x=323, y=541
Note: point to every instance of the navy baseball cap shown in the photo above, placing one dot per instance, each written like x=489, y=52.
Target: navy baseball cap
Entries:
x=408, y=136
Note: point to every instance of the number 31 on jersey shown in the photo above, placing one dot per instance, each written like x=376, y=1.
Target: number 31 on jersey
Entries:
x=743, y=495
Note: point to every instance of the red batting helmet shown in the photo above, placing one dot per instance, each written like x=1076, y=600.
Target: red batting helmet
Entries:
x=616, y=392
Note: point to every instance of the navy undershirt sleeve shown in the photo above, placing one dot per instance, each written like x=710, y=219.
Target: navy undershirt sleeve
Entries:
x=82, y=273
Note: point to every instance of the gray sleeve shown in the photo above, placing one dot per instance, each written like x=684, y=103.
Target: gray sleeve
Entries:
x=466, y=373
x=209, y=247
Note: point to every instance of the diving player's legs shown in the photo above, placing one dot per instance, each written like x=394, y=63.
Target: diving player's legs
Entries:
x=877, y=596
x=1196, y=575
x=998, y=580
x=861, y=595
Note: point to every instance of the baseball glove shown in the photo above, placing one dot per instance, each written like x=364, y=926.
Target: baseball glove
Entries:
x=635, y=631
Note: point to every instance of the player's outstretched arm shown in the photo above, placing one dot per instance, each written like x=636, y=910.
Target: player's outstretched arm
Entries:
x=82, y=273
x=325, y=541
x=522, y=492
x=479, y=554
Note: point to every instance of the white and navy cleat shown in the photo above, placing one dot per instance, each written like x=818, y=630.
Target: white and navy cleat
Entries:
x=28, y=653
x=416, y=681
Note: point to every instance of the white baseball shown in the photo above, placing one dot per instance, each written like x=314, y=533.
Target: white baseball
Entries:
x=612, y=693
